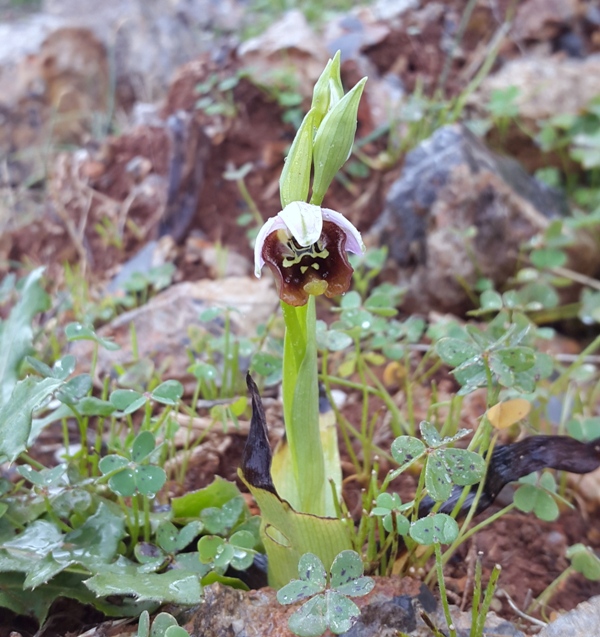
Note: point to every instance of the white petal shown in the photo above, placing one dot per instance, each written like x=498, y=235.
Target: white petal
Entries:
x=271, y=224
x=354, y=242
x=304, y=221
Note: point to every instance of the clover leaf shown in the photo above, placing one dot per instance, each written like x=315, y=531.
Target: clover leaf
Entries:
x=328, y=607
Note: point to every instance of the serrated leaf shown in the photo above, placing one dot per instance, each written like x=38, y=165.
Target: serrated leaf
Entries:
x=435, y=528
x=16, y=414
x=16, y=333
x=173, y=586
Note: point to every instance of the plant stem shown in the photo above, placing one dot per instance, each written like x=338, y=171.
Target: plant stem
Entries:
x=442, y=587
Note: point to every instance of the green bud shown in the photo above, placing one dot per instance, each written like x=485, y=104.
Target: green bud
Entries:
x=328, y=89
x=294, y=182
x=334, y=140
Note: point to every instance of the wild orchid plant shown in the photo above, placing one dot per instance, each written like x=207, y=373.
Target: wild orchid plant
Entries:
x=305, y=247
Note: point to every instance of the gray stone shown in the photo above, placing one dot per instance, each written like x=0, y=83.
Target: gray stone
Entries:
x=459, y=211
x=583, y=621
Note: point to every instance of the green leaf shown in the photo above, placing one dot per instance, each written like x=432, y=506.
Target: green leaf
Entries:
x=149, y=479
x=454, y=351
x=216, y=494
x=519, y=359
x=437, y=478
x=548, y=258
x=111, y=462
x=529, y=498
x=342, y=612
x=79, y=332
x=310, y=619
x=430, y=434
x=143, y=446
x=584, y=429
x=123, y=483
x=406, y=449
x=209, y=547
x=177, y=587
x=491, y=300
x=166, y=536
x=16, y=334
x=294, y=182
x=162, y=622
x=434, y=528
x=311, y=569
x=75, y=389
x=222, y=520
x=585, y=561
x=92, y=406
x=296, y=591
x=168, y=393
x=465, y=467
x=16, y=414
x=144, y=625
x=127, y=400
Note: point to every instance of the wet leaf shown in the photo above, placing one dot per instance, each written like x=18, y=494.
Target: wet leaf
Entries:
x=79, y=332
x=216, y=494
x=127, y=400
x=296, y=591
x=347, y=566
x=454, y=351
x=168, y=393
x=143, y=446
x=123, y=483
x=311, y=569
x=173, y=586
x=436, y=528
x=310, y=620
x=149, y=479
x=342, y=612
x=519, y=359
x=437, y=478
x=465, y=467
x=430, y=434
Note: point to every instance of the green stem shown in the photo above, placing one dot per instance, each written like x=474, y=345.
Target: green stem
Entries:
x=442, y=587
x=301, y=410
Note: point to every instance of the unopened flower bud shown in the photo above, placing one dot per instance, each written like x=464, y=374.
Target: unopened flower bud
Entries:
x=294, y=182
x=334, y=140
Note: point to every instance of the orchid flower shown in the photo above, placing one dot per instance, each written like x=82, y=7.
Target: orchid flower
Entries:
x=305, y=247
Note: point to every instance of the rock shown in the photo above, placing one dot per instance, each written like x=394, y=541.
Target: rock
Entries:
x=547, y=86
x=457, y=212
x=394, y=605
x=543, y=19
x=583, y=621
x=164, y=325
x=289, y=42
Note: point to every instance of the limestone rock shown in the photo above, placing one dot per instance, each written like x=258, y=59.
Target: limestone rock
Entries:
x=163, y=325
x=583, y=621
